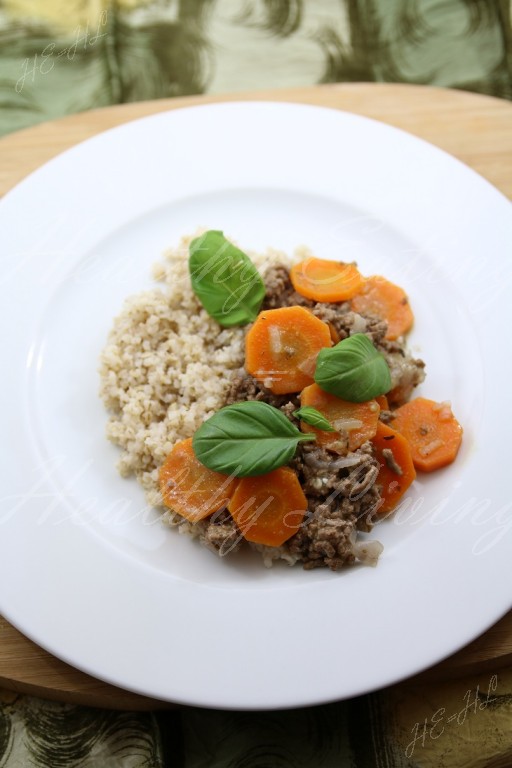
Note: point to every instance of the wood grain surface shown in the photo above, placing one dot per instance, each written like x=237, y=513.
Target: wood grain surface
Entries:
x=475, y=129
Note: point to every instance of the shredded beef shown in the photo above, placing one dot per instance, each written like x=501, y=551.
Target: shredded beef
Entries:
x=341, y=501
x=222, y=534
x=280, y=291
x=406, y=372
x=345, y=322
x=326, y=540
x=321, y=473
x=246, y=388
x=386, y=416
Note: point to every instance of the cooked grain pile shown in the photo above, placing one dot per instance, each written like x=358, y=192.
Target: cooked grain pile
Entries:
x=167, y=367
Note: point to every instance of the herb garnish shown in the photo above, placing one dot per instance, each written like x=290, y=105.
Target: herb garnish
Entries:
x=353, y=370
x=247, y=439
x=314, y=418
x=225, y=280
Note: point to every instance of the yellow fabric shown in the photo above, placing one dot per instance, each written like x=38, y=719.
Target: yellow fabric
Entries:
x=62, y=15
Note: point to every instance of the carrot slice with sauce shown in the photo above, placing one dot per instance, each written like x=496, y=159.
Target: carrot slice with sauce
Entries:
x=325, y=280
x=357, y=420
x=382, y=400
x=190, y=488
x=432, y=430
x=269, y=508
x=386, y=300
x=396, y=472
x=282, y=346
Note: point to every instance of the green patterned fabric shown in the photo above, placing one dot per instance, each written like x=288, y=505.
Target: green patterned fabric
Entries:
x=43, y=734
x=62, y=56
x=463, y=723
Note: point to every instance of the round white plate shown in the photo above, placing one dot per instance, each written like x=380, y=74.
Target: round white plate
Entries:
x=86, y=570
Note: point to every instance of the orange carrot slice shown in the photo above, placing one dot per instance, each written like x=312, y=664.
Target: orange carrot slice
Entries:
x=335, y=336
x=282, y=346
x=432, y=430
x=388, y=301
x=325, y=280
x=383, y=402
x=189, y=488
x=396, y=472
x=269, y=508
x=358, y=420
x=399, y=394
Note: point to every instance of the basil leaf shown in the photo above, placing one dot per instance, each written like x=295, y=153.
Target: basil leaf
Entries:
x=314, y=418
x=247, y=439
x=353, y=370
x=225, y=280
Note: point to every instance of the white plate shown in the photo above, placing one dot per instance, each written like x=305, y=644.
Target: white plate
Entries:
x=85, y=569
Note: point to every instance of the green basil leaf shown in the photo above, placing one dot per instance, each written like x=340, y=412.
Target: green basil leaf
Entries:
x=247, y=439
x=353, y=370
x=314, y=418
x=225, y=280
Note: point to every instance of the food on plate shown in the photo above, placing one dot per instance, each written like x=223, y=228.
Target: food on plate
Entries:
x=396, y=467
x=433, y=432
x=266, y=402
x=353, y=369
x=324, y=280
x=269, y=508
x=282, y=346
x=225, y=280
x=190, y=488
x=246, y=439
x=378, y=296
x=352, y=424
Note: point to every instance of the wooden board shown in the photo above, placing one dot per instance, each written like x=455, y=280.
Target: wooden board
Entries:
x=475, y=129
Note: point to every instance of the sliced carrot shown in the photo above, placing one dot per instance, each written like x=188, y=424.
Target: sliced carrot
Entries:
x=383, y=402
x=269, y=508
x=432, y=430
x=335, y=337
x=189, y=488
x=396, y=472
x=325, y=280
x=282, y=346
x=400, y=394
x=357, y=420
x=388, y=301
